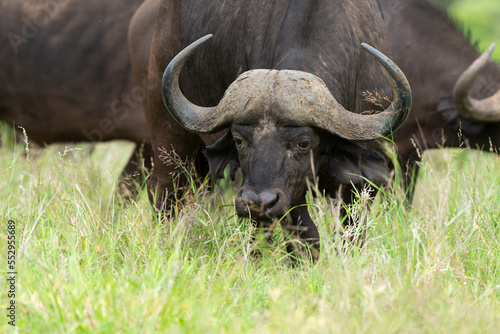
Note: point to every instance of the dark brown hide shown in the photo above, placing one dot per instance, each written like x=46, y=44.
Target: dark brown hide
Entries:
x=66, y=73
x=433, y=53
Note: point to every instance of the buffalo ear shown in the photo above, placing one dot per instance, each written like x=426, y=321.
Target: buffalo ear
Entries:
x=220, y=154
x=352, y=163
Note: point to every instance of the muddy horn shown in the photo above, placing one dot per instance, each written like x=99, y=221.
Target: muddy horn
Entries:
x=486, y=110
x=305, y=97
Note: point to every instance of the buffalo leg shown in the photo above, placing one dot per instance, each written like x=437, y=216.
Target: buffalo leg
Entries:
x=140, y=161
x=136, y=171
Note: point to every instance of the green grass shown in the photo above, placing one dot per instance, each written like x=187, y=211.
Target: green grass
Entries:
x=91, y=262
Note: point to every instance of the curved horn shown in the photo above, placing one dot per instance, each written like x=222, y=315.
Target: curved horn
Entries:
x=360, y=127
x=317, y=107
x=190, y=116
x=384, y=123
x=331, y=117
x=486, y=110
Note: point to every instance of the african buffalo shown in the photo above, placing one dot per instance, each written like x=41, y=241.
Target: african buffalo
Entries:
x=436, y=56
x=287, y=80
x=66, y=73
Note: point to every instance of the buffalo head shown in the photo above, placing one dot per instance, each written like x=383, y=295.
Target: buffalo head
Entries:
x=284, y=127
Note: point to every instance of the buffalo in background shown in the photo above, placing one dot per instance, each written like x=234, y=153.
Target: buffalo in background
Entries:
x=455, y=103
x=272, y=71
x=66, y=73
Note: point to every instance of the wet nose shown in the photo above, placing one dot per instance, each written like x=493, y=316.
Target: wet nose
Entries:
x=261, y=203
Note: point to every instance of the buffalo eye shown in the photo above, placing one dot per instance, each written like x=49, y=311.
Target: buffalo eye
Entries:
x=238, y=142
x=304, y=146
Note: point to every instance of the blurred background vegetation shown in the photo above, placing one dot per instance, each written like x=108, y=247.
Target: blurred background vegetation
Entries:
x=481, y=17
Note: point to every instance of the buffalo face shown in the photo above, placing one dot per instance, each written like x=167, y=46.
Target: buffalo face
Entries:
x=276, y=163
x=275, y=160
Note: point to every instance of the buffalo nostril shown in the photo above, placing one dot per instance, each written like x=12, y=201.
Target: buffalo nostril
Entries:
x=269, y=200
x=261, y=203
x=249, y=197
